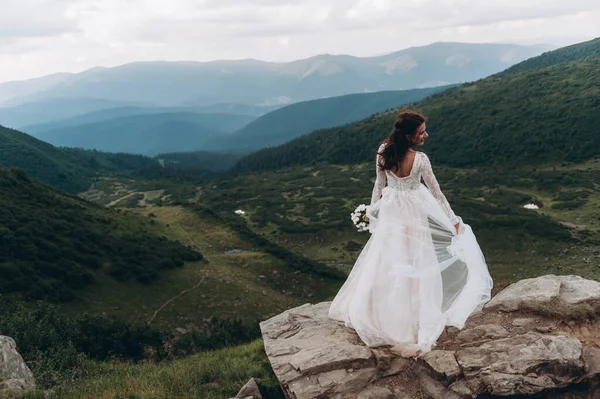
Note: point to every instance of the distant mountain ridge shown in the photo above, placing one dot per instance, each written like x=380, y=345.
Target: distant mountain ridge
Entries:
x=507, y=119
x=54, y=109
x=287, y=123
x=256, y=82
x=147, y=133
x=239, y=111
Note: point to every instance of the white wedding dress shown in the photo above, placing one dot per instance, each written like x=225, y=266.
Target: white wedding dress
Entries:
x=415, y=275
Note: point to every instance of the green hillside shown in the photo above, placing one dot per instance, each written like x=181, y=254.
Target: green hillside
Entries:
x=188, y=163
x=43, y=161
x=53, y=244
x=295, y=120
x=534, y=117
x=586, y=50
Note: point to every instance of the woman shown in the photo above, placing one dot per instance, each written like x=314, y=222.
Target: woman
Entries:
x=422, y=268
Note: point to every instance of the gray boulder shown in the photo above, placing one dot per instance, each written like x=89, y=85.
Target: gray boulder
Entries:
x=497, y=353
x=14, y=373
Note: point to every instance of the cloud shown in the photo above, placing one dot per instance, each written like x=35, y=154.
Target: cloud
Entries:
x=36, y=18
x=44, y=36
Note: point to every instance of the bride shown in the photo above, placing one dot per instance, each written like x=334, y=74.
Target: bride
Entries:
x=421, y=269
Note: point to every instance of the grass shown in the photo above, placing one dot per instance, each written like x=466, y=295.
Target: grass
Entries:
x=306, y=209
x=209, y=375
x=248, y=284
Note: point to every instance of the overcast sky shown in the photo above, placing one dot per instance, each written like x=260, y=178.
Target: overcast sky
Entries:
x=39, y=37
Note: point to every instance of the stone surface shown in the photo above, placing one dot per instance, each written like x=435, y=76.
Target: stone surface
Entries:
x=522, y=322
x=504, y=365
x=14, y=373
x=575, y=290
x=498, y=353
x=312, y=354
x=487, y=331
x=540, y=289
x=443, y=363
x=375, y=392
x=250, y=391
x=570, y=290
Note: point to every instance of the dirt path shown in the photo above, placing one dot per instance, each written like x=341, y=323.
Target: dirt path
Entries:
x=182, y=293
x=115, y=202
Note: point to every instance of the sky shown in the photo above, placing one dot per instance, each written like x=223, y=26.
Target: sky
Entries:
x=40, y=37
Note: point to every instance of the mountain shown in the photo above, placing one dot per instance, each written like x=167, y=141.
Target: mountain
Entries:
x=538, y=116
x=224, y=121
x=267, y=83
x=295, y=120
x=43, y=161
x=54, y=244
x=146, y=134
x=233, y=108
x=14, y=89
x=585, y=50
x=53, y=109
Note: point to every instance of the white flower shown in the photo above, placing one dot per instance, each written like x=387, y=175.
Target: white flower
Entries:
x=240, y=212
x=531, y=206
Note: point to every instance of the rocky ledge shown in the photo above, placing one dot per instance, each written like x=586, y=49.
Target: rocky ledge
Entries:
x=14, y=373
x=537, y=337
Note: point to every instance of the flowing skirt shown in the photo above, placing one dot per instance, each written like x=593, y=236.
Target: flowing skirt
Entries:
x=414, y=276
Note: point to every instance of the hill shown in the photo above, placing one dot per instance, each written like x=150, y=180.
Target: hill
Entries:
x=586, y=50
x=54, y=109
x=266, y=83
x=145, y=134
x=295, y=120
x=54, y=243
x=192, y=162
x=518, y=119
x=43, y=161
x=220, y=119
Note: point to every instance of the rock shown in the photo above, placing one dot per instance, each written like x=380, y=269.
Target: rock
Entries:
x=568, y=290
x=443, y=364
x=316, y=357
x=522, y=322
x=541, y=289
x=311, y=353
x=502, y=365
x=388, y=364
x=591, y=357
x=576, y=290
x=14, y=373
x=375, y=392
x=435, y=389
x=13, y=384
x=487, y=331
x=250, y=391
x=462, y=389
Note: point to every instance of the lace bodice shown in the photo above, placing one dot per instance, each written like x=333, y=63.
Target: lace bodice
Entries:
x=421, y=169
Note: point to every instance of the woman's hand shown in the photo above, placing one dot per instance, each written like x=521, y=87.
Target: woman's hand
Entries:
x=365, y=218
x=457, y=227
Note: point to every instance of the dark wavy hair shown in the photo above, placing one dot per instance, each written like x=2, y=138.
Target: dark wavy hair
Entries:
x=400, y=140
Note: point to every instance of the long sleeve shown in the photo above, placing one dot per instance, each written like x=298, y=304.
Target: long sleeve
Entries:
x=380, y=181
x=434, y=187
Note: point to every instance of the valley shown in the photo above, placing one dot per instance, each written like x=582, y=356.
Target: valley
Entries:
x=141, y=244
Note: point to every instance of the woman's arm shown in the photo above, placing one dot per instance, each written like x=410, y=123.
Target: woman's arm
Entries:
x=434, y=187
x=380, y=181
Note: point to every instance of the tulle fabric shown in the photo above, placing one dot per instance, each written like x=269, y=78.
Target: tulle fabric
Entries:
x=414, y=276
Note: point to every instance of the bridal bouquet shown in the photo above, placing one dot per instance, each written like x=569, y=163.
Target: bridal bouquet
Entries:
x=358, y=218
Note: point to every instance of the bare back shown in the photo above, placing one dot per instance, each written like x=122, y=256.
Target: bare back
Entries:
x=404, y=167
